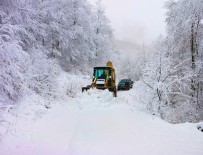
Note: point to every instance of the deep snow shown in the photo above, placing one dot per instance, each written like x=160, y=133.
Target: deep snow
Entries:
x=95, y=123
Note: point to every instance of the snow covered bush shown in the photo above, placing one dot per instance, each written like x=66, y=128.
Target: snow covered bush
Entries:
x=41, y=74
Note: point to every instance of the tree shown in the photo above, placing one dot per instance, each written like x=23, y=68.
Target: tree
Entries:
x=172, y=79
x=103, y=33
x=13, y=61
x=184, y=38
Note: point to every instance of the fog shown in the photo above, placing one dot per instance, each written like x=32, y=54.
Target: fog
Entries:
x=136, y=20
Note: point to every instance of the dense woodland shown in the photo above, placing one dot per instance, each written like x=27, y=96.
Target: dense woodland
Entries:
x=172, y=79
x=39, y=38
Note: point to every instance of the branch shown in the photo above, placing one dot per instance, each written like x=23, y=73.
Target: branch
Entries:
x=147, y=83
x=175, y=68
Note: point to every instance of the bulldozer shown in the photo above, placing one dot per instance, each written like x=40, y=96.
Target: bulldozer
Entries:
x=103, y=78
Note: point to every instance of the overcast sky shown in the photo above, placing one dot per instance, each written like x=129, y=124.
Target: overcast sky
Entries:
x=136, y=20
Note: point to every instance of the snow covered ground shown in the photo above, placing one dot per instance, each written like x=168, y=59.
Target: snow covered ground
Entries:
x=95, y=123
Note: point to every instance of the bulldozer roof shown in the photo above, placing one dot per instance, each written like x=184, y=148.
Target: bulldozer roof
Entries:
x=103, y=68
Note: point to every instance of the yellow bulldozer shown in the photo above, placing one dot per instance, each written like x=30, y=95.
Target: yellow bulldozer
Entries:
x=104, y=78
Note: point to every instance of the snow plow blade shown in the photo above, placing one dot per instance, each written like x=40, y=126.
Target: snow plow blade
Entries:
x=86, y=88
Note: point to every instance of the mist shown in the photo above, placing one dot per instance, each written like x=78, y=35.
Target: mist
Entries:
x=136, y=20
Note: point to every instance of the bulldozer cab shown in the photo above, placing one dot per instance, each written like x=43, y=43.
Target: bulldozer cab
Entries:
x=103, y=77
x=101, y=72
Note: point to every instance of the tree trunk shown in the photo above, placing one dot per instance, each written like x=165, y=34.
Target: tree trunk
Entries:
x=192, y=48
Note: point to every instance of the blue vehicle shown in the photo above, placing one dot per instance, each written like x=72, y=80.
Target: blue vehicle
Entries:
x=125, y=84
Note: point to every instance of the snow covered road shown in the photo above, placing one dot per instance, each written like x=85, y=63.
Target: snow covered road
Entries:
x=102, y=125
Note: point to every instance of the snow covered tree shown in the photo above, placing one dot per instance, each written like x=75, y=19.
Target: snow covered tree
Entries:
x=47, y=31
x=20, y=47
x=157, y=80
x=174, y=75
x=184, y=41
x=103, y=37
x=13, y=59
x=71, y=38
x=162, y=90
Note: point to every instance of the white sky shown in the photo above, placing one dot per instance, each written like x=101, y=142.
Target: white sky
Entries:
x=136, y=20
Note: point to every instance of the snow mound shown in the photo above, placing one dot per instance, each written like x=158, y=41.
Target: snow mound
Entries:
x=94, y=98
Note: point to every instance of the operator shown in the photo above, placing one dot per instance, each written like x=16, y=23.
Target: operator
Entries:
x=103, y=75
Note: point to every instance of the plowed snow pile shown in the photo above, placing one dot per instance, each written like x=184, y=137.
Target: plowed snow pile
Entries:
x=95, y=123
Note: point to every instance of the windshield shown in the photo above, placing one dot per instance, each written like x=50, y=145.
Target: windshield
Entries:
x=101, y=73
x=123, y=81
